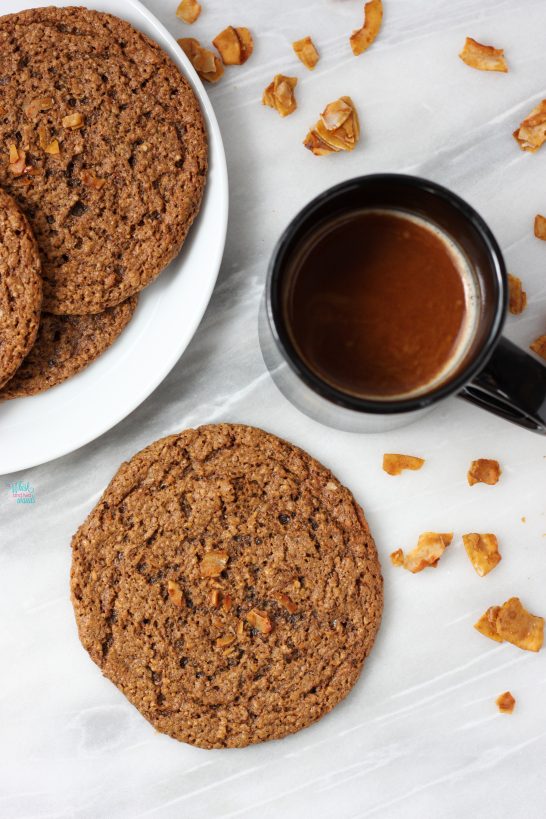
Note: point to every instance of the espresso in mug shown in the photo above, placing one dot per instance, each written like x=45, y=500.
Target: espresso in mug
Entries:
x=380, y=304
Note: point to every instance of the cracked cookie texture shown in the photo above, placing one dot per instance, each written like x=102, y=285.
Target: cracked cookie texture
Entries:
x=64, y=346
x=228, y=585
x=20, y=287
x=104, y=148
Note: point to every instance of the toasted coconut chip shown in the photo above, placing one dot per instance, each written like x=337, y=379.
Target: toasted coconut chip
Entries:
x=206, y=63
x=513, y=623
x=91, y=181
x=283, y=92
x=73, y=121
x=331, y=138
x=430, y=547
x=229, y=46
x=506, y=703
x=234, y=44
x=43, y=137
x=188, y=11
x=53, y=147
x=486, y=625
x=484, y=470
x=13, y=154
x=483, y=551
x=190, y=46
x=531, y=134
x=362, y=38
x=27, y=132
x=279, y=95
x=394, y=464
x=36, y=106
x=305, y=51
x=247, y=43
x=17, y=161
x=175, y=593
x=259, y=620
x=226, y=640
x=327, y=136
x=285, y=601
x=335, y=114
x=268, y=96
x=538, y=346
x=517, y=295
x=540, y=226
x=483, y=57
x=317, y=146
x=214, y=563
x=397, y=558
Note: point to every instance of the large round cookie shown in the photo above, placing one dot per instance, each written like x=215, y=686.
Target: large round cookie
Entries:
x=113, y=206
x=64, y=346
x=20, y=287
x=228, y=584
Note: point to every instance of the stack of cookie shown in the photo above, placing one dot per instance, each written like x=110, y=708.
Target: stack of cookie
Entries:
x=103, y=159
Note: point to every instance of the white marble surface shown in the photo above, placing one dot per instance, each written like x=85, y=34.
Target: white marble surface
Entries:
x=420, y=735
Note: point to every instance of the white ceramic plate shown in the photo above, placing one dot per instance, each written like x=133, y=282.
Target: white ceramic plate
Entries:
x=39, y=428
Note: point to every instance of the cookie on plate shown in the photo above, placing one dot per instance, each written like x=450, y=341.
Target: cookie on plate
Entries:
x=20, y=287
x=64, y=346
x=104, y=148
x=228, y=584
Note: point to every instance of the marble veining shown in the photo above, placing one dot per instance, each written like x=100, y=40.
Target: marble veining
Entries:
x=420, y=735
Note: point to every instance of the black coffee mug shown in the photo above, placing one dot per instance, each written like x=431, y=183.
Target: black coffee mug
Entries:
x=495, y=374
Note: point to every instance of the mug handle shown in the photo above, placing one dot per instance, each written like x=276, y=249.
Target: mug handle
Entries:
x=512, y=385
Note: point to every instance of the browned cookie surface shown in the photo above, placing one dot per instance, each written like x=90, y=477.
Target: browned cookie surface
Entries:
x=228, y=584
x=20, y=287
x=108, y=152
x=64, y=346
